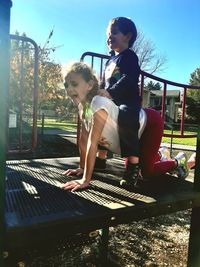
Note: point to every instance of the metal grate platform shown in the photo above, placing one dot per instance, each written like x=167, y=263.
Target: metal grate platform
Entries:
x=37, y=209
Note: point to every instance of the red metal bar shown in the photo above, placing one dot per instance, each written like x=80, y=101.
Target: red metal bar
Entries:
x=101, y=69
x=180, y=135
x=21, y=89
x=164, y=100
x=35, y=94
x=165, y=84
x=35, y=91
x=78, y=130
x=91, y=54
x=181, y=85
x=142, y=85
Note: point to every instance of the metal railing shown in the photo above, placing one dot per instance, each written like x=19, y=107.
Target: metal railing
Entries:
x=33, y=144
x=166, y=83
x=143, y=76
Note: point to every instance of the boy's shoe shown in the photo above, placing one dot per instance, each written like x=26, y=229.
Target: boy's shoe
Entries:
x=164, y=153
x=100, y=164
x=131, y=178
x=182, y=169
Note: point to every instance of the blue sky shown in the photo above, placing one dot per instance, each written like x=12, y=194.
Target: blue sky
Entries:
x=80, y=26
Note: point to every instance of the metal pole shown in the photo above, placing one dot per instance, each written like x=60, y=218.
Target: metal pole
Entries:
x=21, y=89
x=103, y=246
x=171, y=142
x=5, y=6
x=42, y=124
x=194, y=240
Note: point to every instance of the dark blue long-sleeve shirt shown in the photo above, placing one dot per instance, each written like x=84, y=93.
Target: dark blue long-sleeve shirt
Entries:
x=121, y=78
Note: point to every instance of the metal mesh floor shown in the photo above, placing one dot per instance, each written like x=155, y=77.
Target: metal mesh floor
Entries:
x=34, y=199
x=33, y=190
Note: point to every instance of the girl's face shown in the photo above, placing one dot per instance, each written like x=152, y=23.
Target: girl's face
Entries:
x=116, y=40
x=77, y=88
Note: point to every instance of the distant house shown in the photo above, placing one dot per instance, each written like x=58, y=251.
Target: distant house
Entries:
x=12, y=122
x=153, y=99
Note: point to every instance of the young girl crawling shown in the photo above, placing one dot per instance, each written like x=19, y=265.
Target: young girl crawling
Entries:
x=99, y=126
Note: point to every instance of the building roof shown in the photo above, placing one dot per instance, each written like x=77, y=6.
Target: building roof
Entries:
x=171, y=93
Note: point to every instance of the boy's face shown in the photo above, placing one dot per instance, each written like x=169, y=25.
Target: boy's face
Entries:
x=77, y=88
x=116, y=40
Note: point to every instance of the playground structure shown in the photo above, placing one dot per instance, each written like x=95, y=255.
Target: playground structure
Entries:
x=100, y=59
x=29, y=186
x=20, y=117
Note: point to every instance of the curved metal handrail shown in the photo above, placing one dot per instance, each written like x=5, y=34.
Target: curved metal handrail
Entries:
x=35, y=91
x=165, y=82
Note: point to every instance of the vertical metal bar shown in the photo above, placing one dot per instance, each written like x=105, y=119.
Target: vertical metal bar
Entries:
x=197, y=164
x=142, y=85
x=78, y=130
x=42, y=132
x=92, y=62
x=103, y=246
x=164, y=100
x=171, y=142
x=21, y=90
x=5, y=6
x=101, y=69
x=183, y=111
x=194, y=240
x=35, y=95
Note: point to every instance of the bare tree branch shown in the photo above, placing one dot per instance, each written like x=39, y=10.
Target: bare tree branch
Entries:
x=149, y=61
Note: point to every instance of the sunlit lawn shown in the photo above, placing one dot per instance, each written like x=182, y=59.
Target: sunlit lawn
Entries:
x=180, y=141
x=53, y=125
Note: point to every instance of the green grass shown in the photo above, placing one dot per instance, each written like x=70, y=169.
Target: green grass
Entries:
x=52, y=124
x=180, y=141
x=71, y=127
x=64, y=125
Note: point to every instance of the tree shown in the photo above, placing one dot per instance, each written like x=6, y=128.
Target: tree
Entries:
x=21, y=75
x=193, y=98
x=149, y=61
x=50, y=76
x=153, y=86
x=21, y=78
x=51, y=95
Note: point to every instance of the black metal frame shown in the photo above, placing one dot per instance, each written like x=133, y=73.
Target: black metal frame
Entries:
x=194, y=241
x=38, y=211
x=5, y=6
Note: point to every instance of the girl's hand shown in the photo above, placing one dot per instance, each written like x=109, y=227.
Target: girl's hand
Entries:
x=75, y=185
x=77, y=172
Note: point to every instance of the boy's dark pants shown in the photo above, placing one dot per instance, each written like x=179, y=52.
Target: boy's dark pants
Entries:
x=128, y=122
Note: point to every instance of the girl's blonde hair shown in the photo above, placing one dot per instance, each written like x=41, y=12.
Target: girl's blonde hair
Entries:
x=87, y=73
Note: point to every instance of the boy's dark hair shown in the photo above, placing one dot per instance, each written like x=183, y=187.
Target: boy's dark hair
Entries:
x=125, y=26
